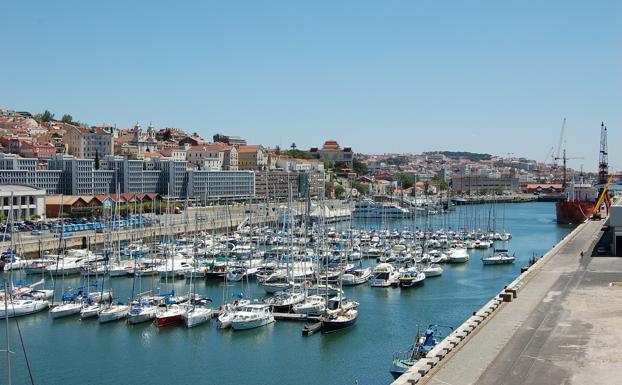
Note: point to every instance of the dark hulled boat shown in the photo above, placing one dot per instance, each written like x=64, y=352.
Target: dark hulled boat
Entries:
x=339, y=321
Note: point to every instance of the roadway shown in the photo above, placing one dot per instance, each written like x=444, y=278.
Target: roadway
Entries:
x=565, y=326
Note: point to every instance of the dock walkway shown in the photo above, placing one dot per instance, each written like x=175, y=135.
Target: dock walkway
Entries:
x=563, y=327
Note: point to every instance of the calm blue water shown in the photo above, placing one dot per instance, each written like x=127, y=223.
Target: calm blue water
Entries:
x=69, y=351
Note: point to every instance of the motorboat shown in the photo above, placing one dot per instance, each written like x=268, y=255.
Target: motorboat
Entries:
x=458, y=255
x=356, y=276
x=252, y=316
x=499, y=257
x=228, y=310
x=432, y=270
x=403, y=360
x=411, y=277
x=385, y=275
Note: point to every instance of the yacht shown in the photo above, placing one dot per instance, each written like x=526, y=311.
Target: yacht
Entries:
x=21, y=307
x=283, y=301
x=228, y=311
x=313, y=304
x=432, y=270
x=356, y=277
x=174, y=314
x=385, y=275
x=141, y=311
x=276, y=282
x=113, y=313
x=66, y=309
x=198, y=313
x=252, y=316
x=458, y=255
x=338, y=321
x=367, y=208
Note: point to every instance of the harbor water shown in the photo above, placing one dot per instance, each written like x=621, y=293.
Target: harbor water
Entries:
x=69, y=351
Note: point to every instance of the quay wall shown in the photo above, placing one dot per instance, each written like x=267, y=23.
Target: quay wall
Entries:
x=425, y=367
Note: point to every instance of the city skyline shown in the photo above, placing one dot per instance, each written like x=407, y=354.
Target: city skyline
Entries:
x=493, y=78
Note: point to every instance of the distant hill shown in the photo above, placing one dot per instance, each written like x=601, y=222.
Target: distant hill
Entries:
x=462, y=154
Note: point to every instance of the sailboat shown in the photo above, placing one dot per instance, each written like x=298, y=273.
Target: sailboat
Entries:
x=24, y=304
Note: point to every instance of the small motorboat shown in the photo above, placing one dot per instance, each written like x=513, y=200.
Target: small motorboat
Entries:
x=411, y=277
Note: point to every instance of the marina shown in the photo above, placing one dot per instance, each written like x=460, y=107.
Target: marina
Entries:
x=385, y=317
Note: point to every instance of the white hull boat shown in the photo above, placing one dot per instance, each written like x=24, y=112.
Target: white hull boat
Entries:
x=65, y=310
x=196, y=316
x=113, y=313
x=21, y=307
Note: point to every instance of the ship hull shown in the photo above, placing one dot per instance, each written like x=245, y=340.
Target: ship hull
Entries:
x=573, y=212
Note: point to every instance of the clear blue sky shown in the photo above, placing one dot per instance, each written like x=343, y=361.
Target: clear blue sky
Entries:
x=380, y=76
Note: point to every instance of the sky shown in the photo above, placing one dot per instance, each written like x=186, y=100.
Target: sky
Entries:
x=380, y=76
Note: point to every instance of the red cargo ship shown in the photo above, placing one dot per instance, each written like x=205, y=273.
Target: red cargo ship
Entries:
x=573, y=212
x=582, y=198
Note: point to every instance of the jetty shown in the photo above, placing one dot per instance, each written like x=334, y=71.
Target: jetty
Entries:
x=557, y=323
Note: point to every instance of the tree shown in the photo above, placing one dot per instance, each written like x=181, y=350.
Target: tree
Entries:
x=277, y=150
x=441, y=184
x=96, y=160
x=405, y=180
x=339, y=191
x=168, y=135
x=362, y=188
x=359, y=167
x=67, y=118
x=47, y=116
x=340, y=165
x=299, y=154
x=293, y=146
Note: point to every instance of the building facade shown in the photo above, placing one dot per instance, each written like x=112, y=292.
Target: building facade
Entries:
x=481, y=184
x=88, y=143
x=333, y=152
x=24, y=202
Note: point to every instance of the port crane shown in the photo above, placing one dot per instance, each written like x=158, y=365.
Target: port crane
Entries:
x=604, y=179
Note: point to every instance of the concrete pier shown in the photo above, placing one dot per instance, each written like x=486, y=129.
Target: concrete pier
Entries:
x=558, y=323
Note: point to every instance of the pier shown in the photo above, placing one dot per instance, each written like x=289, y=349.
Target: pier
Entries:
x=557, y=323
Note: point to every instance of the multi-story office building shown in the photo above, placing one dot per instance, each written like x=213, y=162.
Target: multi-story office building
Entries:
x=217, y=184
x=77, y=173
x=89, y=143
x=70, y=176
